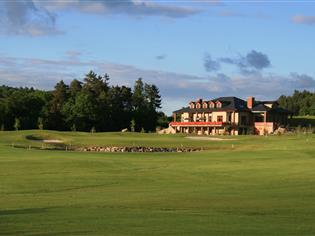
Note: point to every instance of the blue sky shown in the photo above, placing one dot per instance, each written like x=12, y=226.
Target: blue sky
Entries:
x=189, y=49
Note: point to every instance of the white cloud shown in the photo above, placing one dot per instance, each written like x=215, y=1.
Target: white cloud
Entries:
x=127, y=7
x=23, y=17
x=38, y=18
x=176, y=89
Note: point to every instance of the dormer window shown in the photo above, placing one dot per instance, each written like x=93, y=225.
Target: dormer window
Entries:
x=198, y=105
x=205, y=105
x=219, y=104
x=192, y=105
x=211, y=104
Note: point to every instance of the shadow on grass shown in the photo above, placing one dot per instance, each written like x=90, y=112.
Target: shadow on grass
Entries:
x=34, y=137
x=77, y=232
x=52, y=147
x=27, y=211
x=24, y=211
x=63, y=233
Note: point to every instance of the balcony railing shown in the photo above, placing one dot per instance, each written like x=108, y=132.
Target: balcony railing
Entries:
x=198, y=123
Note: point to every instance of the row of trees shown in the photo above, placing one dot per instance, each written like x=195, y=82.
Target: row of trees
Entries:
x=83, y=106
x=300, y=103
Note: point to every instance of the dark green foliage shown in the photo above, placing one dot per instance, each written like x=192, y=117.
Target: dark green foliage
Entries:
x=120, y=107
x=138, y=103
x=163, y=120
x=145, y=101
x=75, y=87
x=55, y=118
x=302, y=121
x=300, y=103
x=82, y=106
x=25, y=104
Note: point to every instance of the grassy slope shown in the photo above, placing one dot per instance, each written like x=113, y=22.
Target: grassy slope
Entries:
x=264, y=186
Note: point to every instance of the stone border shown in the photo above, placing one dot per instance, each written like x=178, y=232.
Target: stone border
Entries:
x=136, y=149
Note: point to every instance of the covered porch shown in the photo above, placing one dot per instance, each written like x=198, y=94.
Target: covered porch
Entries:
x=203, y=128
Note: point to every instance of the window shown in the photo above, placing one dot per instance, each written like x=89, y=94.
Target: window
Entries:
x=219, y=104
x=192, y=105
x=211, y=104
x=198, y=105
x=219, y=118
x=205, y=105
x=229, y=117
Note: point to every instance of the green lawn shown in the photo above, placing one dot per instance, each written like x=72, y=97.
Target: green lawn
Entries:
x=249, y=186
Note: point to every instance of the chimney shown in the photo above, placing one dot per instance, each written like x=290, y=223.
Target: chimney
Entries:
x=250, y=102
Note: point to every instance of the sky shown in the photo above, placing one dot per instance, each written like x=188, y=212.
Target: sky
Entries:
x=190, y=49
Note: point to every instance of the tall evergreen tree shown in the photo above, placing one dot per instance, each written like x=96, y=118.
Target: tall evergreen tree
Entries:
x=75, y=87
x=139, y=105
x=120, y=107
x=56, y=119
x=153, y=103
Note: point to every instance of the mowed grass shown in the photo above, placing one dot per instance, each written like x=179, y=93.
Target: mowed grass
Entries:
x=249, y=186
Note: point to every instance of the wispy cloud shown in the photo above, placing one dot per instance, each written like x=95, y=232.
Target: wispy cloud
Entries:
x=210, y=64
x=161, y=57
x=38, y=18
x=303, y=81
x=252, y=63
x=176, y=88
x=233, y=13
x=23, y=17
x=127, y=7
x=257, y=60
x=303, y=19
x=73, y=54
x=229, y=13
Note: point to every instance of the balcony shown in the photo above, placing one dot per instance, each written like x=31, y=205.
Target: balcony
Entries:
x=198, y=123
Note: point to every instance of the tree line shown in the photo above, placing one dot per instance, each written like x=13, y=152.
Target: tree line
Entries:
x=301, y=103
x=91, y=105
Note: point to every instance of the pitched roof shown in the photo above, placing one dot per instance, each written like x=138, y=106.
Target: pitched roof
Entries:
x=228, y=103
x=268, y=102
x=260, y=107
x=235, y=104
